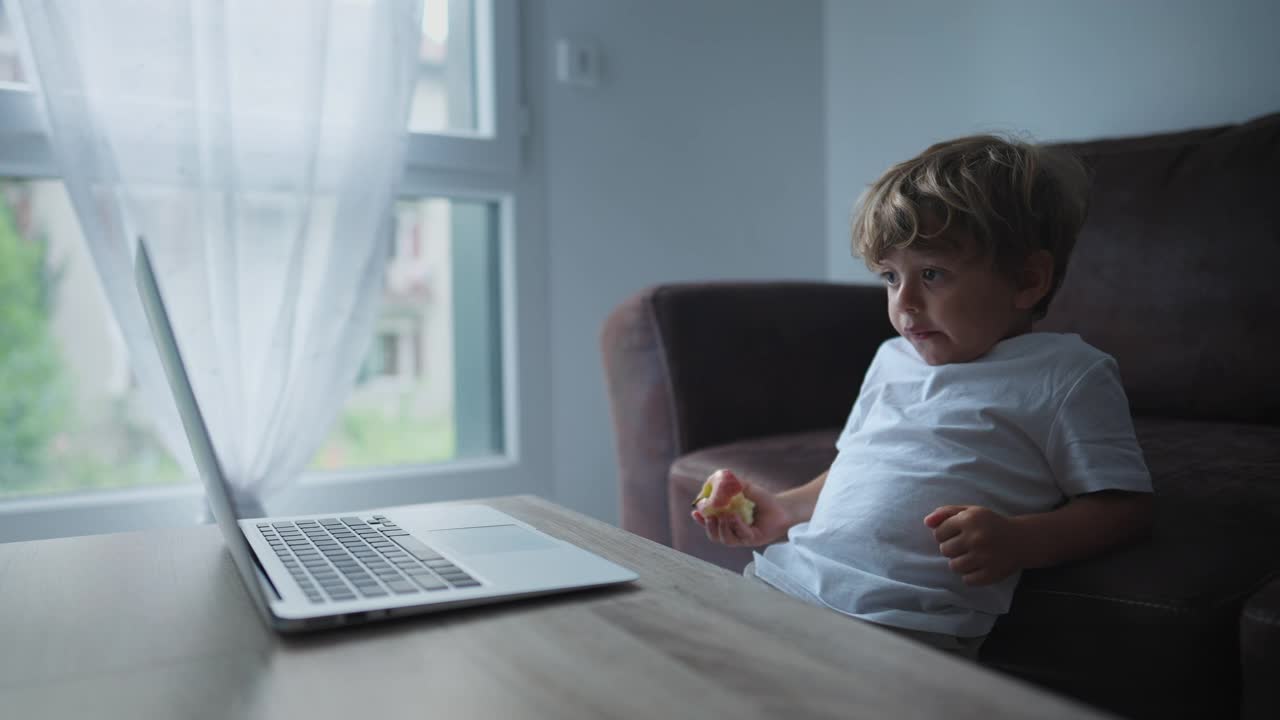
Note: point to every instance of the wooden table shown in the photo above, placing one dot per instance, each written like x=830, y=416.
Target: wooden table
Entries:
x=157, y=625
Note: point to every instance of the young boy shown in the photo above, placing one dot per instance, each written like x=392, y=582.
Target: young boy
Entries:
x=976, y=447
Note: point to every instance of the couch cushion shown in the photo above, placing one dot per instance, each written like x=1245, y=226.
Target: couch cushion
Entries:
x=1173, y=270
x=1259, y=661
x=1230, y=472
x=775, y=463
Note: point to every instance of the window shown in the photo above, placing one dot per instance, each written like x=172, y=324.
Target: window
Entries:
x=435, y=386
x=388, y=352
x=73, y=418
x=10, y=68
x=444, y=99
x=431, y=387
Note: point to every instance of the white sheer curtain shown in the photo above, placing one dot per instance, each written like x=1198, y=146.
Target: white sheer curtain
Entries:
x=256, y=146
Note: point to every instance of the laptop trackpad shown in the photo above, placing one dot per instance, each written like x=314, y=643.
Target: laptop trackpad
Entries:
x=490, y=539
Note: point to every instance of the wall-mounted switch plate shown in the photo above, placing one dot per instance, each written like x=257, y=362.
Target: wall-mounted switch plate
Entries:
x=578, y=62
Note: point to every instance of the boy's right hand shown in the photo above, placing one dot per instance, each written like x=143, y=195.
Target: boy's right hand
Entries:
x=771, y=522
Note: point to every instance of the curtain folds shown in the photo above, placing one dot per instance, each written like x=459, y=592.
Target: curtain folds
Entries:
x=257, y=147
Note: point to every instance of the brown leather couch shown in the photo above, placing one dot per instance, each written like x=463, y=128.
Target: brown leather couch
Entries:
x=1176, y=275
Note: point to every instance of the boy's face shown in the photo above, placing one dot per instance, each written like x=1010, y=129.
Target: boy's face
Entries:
x=953, y=307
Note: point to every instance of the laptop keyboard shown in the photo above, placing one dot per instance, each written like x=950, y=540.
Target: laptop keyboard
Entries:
x=348, y=558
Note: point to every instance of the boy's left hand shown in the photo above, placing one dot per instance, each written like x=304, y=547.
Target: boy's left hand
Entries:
x=983, y=544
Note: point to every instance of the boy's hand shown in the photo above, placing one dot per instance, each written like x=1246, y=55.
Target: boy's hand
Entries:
x=984, y=546
x=771, y=521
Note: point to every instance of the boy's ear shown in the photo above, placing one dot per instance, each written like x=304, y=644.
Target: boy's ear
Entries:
x=1034, y=280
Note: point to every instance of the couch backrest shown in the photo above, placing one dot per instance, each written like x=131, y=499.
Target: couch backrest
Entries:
x=1177, y=270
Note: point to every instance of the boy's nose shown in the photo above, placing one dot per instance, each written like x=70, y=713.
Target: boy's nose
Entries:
x=909, y=299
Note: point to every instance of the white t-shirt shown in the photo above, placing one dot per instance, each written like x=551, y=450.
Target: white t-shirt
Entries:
x=1039, y=419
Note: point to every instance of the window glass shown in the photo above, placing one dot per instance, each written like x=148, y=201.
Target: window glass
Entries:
x=444, y=100
x=445, y=94
x=10, y=67
x=430, y=389
x=73, y=419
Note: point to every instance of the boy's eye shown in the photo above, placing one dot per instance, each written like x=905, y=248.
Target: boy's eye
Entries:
x=889, y=277
x=930, y=274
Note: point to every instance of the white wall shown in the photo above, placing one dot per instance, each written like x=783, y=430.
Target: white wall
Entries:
x=699, y=156
x=901, y=75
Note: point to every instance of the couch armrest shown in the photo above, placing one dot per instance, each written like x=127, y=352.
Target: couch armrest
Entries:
x=1260, y=653
x=693, y=365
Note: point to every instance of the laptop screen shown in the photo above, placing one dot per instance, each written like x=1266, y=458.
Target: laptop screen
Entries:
x=216, y=488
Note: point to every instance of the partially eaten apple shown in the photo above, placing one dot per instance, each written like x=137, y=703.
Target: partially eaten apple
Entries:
x=738, y=504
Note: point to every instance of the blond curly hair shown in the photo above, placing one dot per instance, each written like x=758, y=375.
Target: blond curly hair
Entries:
x=1011, y=197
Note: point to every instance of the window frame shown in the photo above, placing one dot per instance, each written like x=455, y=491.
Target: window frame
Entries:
x=462, y=166
x=501, y=117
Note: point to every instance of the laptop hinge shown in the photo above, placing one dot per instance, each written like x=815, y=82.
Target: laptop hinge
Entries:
x=263, y=576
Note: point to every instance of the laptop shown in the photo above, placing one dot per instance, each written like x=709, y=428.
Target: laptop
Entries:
x=321, y=571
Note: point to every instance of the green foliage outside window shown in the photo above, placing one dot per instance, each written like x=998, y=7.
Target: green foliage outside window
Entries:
x=33, y=392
